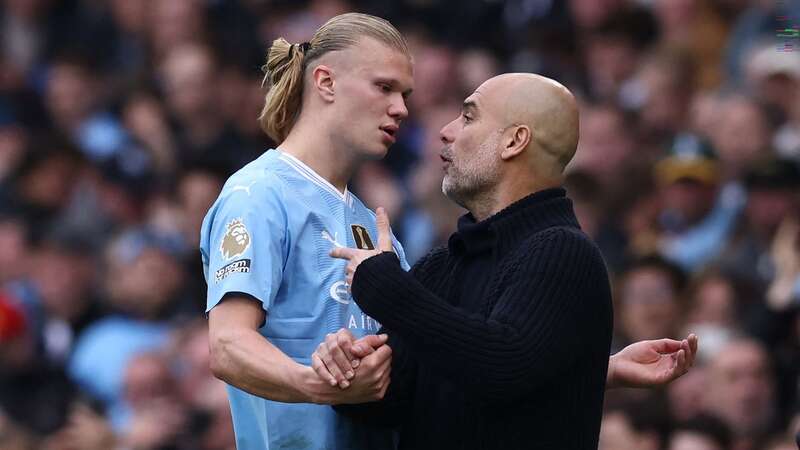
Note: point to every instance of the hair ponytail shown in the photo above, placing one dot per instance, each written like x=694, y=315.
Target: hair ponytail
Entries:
x=284, y=80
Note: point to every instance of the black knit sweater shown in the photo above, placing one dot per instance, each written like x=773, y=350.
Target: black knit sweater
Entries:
x=501, y=339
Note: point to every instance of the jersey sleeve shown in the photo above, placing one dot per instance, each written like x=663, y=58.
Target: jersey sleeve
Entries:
x=243, y=243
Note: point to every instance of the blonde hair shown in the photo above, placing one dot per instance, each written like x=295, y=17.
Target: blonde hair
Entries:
x=286, y=65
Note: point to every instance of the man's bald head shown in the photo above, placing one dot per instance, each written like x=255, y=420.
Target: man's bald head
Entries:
x=545, y=106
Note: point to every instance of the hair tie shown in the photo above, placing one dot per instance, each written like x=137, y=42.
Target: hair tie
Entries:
x=305, y=46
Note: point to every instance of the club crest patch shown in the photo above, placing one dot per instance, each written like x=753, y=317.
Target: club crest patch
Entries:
x=236, y=240
x=361, y=237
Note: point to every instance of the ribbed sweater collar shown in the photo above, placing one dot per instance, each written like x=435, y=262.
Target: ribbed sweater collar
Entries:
x=536, y=212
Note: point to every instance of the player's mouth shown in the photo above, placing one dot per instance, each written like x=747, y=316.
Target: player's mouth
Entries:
x=446, y=161
x=390, y=133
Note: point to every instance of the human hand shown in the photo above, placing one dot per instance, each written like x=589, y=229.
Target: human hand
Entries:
x=369, y=383
x=651, y=363
x=356, y=256
x=337, y=358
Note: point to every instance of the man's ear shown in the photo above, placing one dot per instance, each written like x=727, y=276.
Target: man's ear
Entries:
x=323, y=78
x=515, y=141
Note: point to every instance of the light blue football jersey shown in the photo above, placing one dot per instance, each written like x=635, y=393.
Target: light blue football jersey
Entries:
x=268, y=235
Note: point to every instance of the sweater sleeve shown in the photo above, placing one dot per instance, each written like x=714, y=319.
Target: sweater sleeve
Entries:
x=532, y=334
x=395, y=407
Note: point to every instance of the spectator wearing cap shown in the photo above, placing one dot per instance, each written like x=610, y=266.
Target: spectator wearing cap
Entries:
x=696, y=218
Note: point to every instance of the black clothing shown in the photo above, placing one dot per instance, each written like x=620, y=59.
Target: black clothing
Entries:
x=501, y=339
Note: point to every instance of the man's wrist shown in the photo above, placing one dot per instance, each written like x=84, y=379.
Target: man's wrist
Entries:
x=311, y=387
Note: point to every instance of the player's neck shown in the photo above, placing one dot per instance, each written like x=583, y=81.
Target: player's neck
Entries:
x=316, y=151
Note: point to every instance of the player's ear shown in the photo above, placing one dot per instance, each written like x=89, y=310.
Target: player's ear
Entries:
x=323, y=82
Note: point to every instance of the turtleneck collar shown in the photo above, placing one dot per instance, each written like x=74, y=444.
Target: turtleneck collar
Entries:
x=536, y=212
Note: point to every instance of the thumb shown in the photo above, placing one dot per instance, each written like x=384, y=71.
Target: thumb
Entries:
x=365, y=345
x=384, y=233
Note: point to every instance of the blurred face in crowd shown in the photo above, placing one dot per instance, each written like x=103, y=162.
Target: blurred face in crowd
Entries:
x=148, y=379
x=666, y=100
x=175, y=23
x=740, y=387
x=742, y=134
x=50, y=183
x=591, y=13
x=714, y=303
x=144, y=283
x=766, y=208
x=471, y=153
x=13, y=249
x=605, y=144
x=610, y=60
x=689, y=200
x=63, y=279
x=433, y=82
x=190, y=81
x=616, y=432
x=649, y=304
x=130, y=15
x=692, y=440
x=371, y=82
x=686, y=394
x=70, y=95
x=197, y=191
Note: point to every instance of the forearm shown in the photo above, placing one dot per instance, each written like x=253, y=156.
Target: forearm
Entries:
x=492, y=357
x=244, y=359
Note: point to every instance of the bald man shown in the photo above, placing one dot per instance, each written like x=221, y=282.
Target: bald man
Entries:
x=501, y=338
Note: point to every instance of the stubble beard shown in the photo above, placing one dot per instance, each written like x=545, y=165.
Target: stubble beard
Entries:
x=470, y=183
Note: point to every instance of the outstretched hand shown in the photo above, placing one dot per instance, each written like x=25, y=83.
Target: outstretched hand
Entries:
x=651, y=363
x=357, y=256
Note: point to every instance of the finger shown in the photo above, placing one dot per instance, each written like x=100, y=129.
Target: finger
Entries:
x=382, y=354
x=384, y=233
x=332, y=367
x=693, y=343
x=346, y=339
x=368, y=343
x=665, y=346
x=339, y=358
x=342, y=252
x=362, y=350
x=680, y=365
x=321, y=370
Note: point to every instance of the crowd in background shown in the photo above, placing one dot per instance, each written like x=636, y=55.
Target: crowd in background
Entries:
x=121, y=119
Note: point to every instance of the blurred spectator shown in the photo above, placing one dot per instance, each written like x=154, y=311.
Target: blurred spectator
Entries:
x=33, y=392
x=650, y=303
x=701, y=433
x=740, y=391
x=696, y=218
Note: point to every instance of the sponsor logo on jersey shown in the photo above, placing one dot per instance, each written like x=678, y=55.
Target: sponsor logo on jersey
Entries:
x=239, y=266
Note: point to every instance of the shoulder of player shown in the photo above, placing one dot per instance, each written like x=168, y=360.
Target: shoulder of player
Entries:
x=253, y=182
